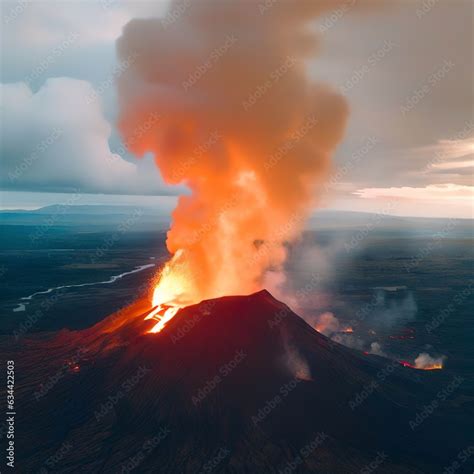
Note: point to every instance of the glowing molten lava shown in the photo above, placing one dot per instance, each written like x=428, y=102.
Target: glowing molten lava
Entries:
x=435, y=366
x=162, y=314
x=173, y=291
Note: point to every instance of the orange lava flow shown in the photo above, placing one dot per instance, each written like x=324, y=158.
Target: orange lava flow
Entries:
x=162, y=314
x=173, y=291
x=432, y=367
x=437, y=366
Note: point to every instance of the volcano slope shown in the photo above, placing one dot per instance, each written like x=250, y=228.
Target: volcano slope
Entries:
x=236, y=384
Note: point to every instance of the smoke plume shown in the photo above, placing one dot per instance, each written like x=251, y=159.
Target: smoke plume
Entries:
x=425, y=361
x=376, y=348
x=327, y=324
x=241, y=124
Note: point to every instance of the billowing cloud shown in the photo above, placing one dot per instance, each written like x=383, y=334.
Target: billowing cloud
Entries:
x=435, y=199
x=376, y=348
x=425, y=361
x=56, y=139
x=42, y=24
x=243, y=126
x=454, y=154
x=442, y=191
x=41, y=40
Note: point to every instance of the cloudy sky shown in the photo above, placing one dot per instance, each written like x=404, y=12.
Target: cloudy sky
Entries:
x=406, y=69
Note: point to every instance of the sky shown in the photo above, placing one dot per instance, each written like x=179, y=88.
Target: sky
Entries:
x=406, y=69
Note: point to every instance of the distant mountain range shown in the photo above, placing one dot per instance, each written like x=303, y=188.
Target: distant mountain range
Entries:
x=96, y=215
x=84, y=209
x=60, y=214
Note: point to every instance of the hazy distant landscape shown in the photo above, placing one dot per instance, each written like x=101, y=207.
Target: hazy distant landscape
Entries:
x=386, y=277
x=51, y=248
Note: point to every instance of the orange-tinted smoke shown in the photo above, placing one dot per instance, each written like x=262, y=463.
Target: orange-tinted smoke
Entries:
x=219, y=91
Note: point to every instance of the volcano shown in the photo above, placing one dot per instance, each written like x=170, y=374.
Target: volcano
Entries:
x=235, y=384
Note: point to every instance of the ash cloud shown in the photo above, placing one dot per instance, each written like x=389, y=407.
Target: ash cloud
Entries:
x=425, y=361
x=252, y=190
x=388, y=312
x=376, y=348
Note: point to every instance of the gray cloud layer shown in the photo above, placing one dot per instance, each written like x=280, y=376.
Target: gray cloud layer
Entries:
x=57, y=140
x=407, y=71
